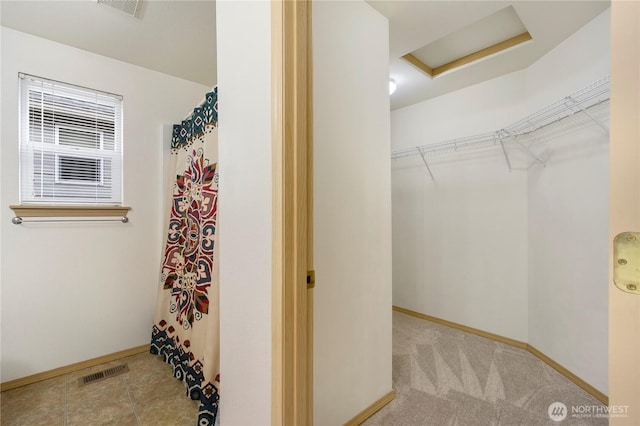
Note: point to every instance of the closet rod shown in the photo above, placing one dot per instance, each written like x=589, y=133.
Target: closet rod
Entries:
x=584, y=99
x=19, y=220
x=559, y=111
x=486, y=139
x=529, y=132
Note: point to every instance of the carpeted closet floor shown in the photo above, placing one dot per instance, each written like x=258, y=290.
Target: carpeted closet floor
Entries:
x=443, y=376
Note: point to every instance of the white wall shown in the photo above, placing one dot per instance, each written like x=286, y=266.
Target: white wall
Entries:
x=244, y=78
x=523, y=255
x=578, y=61
x=568, y=215
x=480, y=108
x=459, y=241
x=352, y=210
x=71, y=292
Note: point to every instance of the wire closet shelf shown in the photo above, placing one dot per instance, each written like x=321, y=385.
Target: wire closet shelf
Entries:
x=578, y=102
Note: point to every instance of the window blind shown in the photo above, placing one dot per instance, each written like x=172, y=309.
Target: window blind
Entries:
x=70, y=144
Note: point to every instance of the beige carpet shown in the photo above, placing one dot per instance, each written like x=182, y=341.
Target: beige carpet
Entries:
x=443, y=376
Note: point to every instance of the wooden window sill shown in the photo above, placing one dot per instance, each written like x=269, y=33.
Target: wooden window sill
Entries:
x=69, y=211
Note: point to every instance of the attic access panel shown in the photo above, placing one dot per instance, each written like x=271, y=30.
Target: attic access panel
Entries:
x=488, y=36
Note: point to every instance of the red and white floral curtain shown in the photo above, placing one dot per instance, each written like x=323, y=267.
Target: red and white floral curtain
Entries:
x=186, y=324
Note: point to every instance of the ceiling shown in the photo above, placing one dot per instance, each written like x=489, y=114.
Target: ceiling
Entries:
x=415, y=24
x=174, y=37
x=178, y=37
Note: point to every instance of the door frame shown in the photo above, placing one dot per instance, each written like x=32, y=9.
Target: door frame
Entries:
x=624, y=206
x=292, y=314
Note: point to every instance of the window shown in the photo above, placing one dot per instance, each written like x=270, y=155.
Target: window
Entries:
x=70, y=144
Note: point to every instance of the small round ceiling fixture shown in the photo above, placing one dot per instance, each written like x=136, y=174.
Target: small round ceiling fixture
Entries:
x=392, y=86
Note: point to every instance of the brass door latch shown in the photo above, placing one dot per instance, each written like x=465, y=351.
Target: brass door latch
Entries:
x=626, y=262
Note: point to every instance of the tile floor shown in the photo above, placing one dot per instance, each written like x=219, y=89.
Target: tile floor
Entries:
x=146, y=395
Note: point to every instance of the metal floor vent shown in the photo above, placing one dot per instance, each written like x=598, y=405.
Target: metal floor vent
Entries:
x=104, y=374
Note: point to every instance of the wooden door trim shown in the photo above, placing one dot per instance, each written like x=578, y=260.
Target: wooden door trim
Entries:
x=624, y=207
x=310, y=291
x=291, y=100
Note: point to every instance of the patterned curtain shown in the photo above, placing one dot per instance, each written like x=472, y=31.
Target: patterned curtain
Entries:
x=186, y=324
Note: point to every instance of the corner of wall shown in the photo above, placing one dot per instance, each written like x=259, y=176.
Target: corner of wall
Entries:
x=564, y=300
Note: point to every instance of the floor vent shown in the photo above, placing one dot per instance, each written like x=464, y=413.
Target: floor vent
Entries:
x=104, y=374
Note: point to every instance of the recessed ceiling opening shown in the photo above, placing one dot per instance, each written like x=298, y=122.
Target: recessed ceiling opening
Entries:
x=488, y=36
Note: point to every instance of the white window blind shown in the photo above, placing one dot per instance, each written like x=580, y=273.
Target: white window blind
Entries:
x=70, y=144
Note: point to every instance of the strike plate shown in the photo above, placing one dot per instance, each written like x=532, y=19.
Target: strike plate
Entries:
x=626, y=262
x=311, y=279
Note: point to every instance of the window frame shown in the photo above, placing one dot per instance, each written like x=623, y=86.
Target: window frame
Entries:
x=71, y=205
